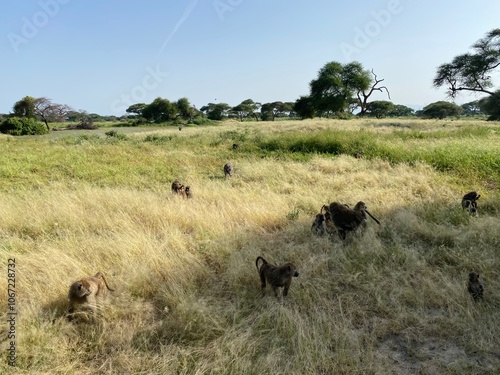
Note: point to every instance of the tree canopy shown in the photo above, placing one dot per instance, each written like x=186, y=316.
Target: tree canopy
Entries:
x=472, y=71
x=441, y=110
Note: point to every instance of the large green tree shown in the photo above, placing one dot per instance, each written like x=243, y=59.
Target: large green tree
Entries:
x=160, y=110
x=216, y=111
x=247, y=108
x=25, y=107
x=441, y=110
x=337, y=85
x=473, y=71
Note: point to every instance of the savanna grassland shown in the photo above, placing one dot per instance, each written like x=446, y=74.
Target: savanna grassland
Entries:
x=389, y=300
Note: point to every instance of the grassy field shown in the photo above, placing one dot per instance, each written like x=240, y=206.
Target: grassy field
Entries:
x=389, y=300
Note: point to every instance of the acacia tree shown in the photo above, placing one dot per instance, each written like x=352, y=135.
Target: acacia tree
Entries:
x=42, y=108
x=472, y=71
x=216, y=111
x=340, y=88
x=247, y=108
x=363, y=95
x=48, y=111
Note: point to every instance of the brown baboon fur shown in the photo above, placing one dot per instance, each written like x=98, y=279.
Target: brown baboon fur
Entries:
x=321, y=222
x=469, y=202
x=276, y=276
x=177, y=187
x=475, y=287
x=187, y=192
x=348, y=219
x=228, y=170
x=87, y=292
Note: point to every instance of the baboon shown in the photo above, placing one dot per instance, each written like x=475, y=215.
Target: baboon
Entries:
x=177, y=187
x=187, y=192
x=469, y=202
x=276, y=276
x=228, y=170
x=475, y=287
x=87, y=293
x=321, y=221
x=235, y=146
x=346, y=219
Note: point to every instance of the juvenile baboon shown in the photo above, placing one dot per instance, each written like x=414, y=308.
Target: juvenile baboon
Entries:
x=187, y=192
x=228, y=170
x=177, y=187
x=348, y=219
x=235, y=146
x=87, y=292
x=321, y=222
x=469, y=202
x=475, y=287
x=276, y=276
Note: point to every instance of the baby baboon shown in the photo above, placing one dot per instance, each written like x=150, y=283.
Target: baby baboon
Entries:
x=177, y=187
x=276, y=276
x=322, y=221
x=319, y=225
x=469, y=202
x=228, y=170
x=235, y=146
x=346, y=219
x=475, y=287
x=87, y=292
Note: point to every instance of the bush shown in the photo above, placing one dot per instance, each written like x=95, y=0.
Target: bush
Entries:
x=22, y=126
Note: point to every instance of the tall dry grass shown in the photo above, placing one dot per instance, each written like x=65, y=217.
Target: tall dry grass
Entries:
x=390, y=300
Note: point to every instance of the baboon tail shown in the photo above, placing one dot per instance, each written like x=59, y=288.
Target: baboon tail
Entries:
x=257, y=261
x=100, y=274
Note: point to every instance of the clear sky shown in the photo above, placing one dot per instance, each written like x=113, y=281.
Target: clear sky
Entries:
x=101, y=56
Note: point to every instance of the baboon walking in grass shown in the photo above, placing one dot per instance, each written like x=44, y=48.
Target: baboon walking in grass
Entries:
x=276, y=276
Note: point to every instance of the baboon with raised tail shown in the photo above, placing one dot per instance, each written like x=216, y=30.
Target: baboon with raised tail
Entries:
x=276, y=276
x=347, y=219
x=87, y=293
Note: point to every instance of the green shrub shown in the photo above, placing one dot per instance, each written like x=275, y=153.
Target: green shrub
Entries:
x=22, y=126
x=115, y=134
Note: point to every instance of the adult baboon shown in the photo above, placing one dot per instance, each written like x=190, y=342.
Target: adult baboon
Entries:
x=346, y=219
x=87, y=292
x=276, y=276
x=469, y=202
x=177, y=187
x=228, y=170
x=475, y=287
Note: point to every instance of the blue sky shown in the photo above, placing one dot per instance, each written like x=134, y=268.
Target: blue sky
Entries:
x=101, y=56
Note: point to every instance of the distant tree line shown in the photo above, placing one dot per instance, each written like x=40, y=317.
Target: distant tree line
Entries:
x=339, y=90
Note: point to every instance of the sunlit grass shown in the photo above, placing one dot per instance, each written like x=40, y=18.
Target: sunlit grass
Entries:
x=390, y=300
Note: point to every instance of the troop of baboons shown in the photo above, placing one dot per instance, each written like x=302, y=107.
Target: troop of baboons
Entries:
x=87, y=293
x=339, y=218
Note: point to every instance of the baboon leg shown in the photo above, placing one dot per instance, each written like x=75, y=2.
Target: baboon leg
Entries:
x=287, y=286
x=275, y=289
x=262, y=281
